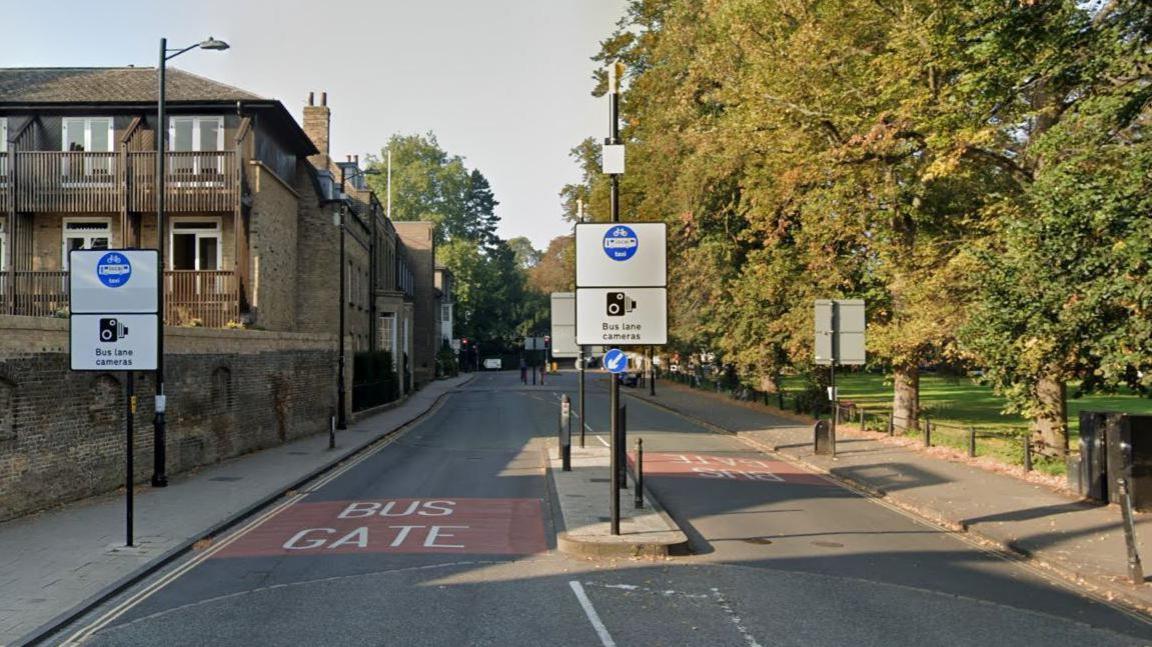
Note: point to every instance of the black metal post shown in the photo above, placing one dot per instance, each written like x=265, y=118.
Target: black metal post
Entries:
x=159, y=424
x=927, y=432
x=614, y=389
x=639, y=498
x=971, y=442
x=622, y=447
x=565, y=433
x=651, y=370
x=835, y=396
x=583, y=420
x=1135, y=569
x=129, y=453
x=341, y=403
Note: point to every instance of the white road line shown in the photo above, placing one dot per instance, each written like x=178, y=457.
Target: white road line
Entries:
x=736, y=620
x=601, y=439
x=593, y=617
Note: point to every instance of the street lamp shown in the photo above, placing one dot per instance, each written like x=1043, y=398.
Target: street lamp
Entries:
x=159, y=471
x=338, y=217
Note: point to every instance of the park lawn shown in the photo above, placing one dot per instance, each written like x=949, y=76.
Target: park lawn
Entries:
x=962, y=402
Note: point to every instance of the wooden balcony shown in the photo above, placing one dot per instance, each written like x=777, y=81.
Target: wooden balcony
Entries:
x=108, y=182
x=192, y=297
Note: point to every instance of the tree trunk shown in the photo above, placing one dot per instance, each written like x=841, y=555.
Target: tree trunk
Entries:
x=1050, y=426
x=906, y=397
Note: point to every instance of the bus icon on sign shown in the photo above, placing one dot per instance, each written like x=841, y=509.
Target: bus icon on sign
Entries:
x=113, y=270
x=620, y=243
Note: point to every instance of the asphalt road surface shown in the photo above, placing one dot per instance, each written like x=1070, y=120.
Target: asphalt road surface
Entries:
x=445, y=535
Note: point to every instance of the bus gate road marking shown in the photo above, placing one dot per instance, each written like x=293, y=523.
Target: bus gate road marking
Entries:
x=440, y=525
x=726, y=468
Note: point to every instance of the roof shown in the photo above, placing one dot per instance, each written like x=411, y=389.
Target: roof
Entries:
x=111, y=85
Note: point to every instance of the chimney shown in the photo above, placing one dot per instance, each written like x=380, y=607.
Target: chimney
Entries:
x=317, y=122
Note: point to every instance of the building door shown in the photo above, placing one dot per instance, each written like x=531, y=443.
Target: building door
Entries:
x=195, y=245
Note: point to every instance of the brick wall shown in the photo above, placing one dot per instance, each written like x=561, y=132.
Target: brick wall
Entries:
x=229, y=392
x=272, y=240
x=417, y=237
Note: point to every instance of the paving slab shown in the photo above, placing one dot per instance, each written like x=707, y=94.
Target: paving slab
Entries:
x=585, y=498
x=64, y=559
x=1054, y=529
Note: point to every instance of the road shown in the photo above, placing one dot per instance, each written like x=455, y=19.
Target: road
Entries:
x=444, y=535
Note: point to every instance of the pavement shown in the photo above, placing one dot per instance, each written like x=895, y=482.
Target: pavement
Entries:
x=446, y=533
x=68, y=557
x=1081, y=542
x=644, y=531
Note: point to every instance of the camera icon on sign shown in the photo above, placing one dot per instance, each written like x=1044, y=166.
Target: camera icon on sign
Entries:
x=112, y=330
x=619, y=304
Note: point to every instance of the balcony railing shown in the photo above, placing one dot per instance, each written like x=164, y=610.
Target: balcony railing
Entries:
x=104, y=182
x=192, y=297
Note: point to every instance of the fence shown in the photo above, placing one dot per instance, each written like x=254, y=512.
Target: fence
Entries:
x=1011, y=445
x=373, y=380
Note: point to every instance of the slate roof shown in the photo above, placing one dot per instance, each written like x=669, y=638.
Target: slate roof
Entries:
x=55, y=85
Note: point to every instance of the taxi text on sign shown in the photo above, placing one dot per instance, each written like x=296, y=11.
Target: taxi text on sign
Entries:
x=621, y=255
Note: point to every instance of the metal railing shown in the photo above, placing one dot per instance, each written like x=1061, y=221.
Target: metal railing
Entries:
x=74, y=182
x=193, y=297
x=1005, y=442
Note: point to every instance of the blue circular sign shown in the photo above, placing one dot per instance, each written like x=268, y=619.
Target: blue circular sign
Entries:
x=616, y=361
x=114, y=270
x=620, y=243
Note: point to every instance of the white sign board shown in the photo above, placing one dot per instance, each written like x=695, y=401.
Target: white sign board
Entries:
x=622, y=316
x=621, y=255
x=113, y=280
x=612, y=159
x=534, y=343
x=113, y=342
x=564, y=325
x=840, y=332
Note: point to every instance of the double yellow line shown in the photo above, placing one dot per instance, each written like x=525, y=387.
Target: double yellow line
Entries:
x=127, y=604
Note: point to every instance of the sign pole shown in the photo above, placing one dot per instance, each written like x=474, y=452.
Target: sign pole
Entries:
x=614, y=389
x=583, y=424
x=129, y=450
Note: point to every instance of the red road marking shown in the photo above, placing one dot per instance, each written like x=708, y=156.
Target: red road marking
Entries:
x=725, y=468
x=443, y=525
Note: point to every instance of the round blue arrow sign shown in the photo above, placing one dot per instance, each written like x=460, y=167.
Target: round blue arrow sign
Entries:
x=616, y=361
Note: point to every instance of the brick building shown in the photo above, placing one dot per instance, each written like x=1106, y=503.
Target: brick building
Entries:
x=255, y=214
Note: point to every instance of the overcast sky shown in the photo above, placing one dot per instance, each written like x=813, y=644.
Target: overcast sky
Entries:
x=504, y=83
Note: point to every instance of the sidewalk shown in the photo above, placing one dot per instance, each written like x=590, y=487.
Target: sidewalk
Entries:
x=1077, y=540
x=55, y=561
x=644, y=532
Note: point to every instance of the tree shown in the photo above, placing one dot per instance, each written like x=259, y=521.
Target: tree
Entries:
x=480, y=219
x=527, y=256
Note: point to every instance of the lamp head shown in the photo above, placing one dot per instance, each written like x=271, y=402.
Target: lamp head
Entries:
x=212, y=43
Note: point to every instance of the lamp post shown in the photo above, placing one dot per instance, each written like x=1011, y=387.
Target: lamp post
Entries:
x=341, y=402
x=159, y=425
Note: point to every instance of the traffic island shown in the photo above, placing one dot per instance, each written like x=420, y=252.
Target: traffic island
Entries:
x=584, y=494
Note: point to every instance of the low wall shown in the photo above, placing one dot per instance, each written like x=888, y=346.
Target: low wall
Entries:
x=229, y=392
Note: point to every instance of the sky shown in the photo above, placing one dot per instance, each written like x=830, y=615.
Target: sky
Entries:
x=504, y=83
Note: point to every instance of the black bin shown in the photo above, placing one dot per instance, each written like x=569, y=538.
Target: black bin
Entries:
x=1128, y=438
x=1089, y=478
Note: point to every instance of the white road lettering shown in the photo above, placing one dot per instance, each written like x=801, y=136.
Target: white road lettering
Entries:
x=435, y=532
x=359, y=537
x=294, y=542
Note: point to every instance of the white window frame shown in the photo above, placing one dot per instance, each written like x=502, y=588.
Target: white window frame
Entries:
x=4, y=151
x=197, y=161
x=216, y=232
x=89, y=164
x=3, y=247
x=87, y=235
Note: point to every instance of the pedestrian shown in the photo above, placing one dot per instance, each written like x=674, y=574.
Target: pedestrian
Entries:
x=523, y=371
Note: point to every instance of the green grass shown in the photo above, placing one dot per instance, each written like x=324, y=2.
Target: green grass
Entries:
x=963, y=402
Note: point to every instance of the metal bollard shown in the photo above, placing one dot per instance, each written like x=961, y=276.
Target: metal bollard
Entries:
x=639, y=499
x=566, y=433
x=1135, y=569
x=971, y=442
x=1027, y=453
x=622, y=447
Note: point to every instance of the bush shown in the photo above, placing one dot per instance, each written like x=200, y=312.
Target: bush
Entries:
x=373, y=379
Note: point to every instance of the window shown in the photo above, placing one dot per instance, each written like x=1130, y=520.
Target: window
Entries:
x=195, y=244
x=85, y=233
x=388, y=334
x=3, y=150
x=446, y=312
x=195, y=135
x=3, y=258
x=88, y=135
